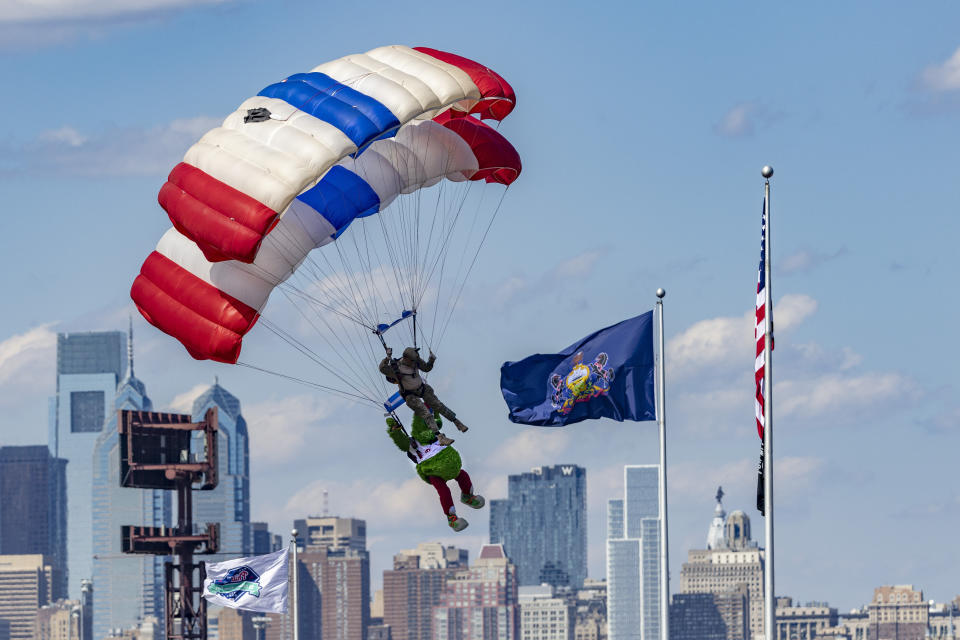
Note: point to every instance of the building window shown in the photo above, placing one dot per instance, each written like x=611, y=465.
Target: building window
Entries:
x=86, y=411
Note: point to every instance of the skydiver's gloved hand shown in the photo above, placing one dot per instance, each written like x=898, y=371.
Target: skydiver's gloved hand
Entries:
x=392, y=425
x=432, y=357
x=389, y=352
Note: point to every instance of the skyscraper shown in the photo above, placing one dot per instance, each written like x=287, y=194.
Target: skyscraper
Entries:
x=544, y=615
x=315, y=532
x=633, y=557
x=346, y=594
x=33, y=512
x=333, y=581
x=731, y=561
x=89, y=366
x=24, y=588
x=542, y=525
x=229, y=503
x=480, y=603
x=413, y=588
x=129, y=587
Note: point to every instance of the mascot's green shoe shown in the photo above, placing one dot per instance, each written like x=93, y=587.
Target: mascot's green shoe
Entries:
x=457, y=524
x=476, y=502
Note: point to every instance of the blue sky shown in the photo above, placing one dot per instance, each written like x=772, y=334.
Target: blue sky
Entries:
x=642, y=131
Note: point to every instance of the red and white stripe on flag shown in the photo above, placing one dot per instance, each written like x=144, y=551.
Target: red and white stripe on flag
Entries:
x=761, y=325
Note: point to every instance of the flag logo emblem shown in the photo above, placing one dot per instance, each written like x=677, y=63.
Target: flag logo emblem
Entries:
x=236, y=582
x=582, y=383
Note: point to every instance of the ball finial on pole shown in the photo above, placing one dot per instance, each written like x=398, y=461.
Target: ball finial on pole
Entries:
x=767, y=171
x=661, y=293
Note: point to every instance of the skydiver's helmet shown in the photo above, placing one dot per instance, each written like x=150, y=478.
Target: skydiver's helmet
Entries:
x=411, y=354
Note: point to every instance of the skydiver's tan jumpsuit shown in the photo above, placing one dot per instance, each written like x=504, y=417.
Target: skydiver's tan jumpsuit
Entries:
x=416, y=393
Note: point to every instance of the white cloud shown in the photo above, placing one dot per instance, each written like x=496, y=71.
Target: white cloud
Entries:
x=944, y=76
x=836, y=398
x=27, y=364
x=397, y=504
x=518, y=289
x=183, y=402
x=19, y=350
x=531, y=444
x=807, y=260
x=744, y=118
x=79, y=10
x=64, y=135
x=132, y=151
x=726, y=341
x=795, y=472
x=737, y=121
x=279, y=429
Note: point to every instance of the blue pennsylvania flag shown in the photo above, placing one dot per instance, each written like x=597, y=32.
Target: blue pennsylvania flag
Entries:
x=608, y=374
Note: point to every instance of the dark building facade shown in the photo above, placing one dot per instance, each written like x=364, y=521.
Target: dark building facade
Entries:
x=33, y=509
x=542, y=525
x=694, y=616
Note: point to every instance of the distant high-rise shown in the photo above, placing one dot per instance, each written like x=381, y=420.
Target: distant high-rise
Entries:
x=25, y=582
x=346, y=594
x=730, y=562
x=89, y=366
x=263, y=540
x=229, y=503
x=544, y=615
x=633, y=557
x=129, y=587
x=542, y=525
x=694, y=616
x=33, y=512
x=331, y=532
x=334, y=581
x=413, y=588
x=480, y=603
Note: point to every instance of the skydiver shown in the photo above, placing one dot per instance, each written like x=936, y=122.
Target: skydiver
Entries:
x=437, y=464
x=416, y=393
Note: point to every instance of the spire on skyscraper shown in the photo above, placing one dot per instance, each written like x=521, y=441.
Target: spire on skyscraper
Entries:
x=130, y=350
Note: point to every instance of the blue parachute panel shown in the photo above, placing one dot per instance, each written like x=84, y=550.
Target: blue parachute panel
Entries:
x=359, y=116
x=341, y=197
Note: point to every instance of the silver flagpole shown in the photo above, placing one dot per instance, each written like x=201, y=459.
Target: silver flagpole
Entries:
x=661, y=422
x=769, y=605
x=295, y=585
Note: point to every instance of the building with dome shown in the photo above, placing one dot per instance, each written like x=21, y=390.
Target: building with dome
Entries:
x=730, y=562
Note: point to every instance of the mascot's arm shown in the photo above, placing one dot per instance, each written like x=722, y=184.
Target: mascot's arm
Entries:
x=397, y=435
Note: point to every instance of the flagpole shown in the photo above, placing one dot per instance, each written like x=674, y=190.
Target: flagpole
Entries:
x=769, y=605
x=661, y=423
x=295, y=586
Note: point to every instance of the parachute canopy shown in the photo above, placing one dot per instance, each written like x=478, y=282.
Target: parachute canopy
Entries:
x=295, y=166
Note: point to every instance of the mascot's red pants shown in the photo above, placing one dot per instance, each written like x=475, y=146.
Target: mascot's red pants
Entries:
x=446, y=500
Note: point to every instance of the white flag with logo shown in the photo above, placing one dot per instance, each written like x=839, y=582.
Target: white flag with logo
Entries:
x=255, y=584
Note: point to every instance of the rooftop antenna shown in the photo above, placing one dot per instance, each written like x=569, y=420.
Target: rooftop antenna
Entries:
x=130, y=348
x=326, y=503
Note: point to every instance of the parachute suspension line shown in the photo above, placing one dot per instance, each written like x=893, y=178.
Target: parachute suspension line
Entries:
x=299, y=346
x=446, y=247
x=308, y=383
x=441, y=259
x=472, y=263
x=362, y=377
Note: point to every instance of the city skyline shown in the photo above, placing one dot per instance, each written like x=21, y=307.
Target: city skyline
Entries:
x=855, y=106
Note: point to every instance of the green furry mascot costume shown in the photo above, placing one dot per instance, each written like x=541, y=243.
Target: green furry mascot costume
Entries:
x=437, y=464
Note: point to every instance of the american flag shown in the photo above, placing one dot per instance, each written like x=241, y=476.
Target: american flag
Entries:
x=761, y=329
